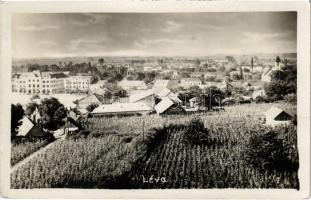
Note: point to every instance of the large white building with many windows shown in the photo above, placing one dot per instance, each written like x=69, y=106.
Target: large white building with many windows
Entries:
x=37, y=82
x=77, y=83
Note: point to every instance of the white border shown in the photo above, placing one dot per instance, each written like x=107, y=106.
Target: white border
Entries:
x=303, y=107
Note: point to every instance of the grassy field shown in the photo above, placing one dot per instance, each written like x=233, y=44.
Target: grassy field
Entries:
x=23, y=149
x=124, y=153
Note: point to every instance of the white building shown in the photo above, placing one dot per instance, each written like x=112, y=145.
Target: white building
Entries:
x=132, y=85
x=36, y=82
x=189, y=82
x=52, y=83
x=77, y=83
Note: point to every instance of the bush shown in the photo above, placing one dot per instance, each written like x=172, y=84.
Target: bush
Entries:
x=291, y=98
x=91, y=107
x=269, y=151
x=196, y=132
x=259, y=99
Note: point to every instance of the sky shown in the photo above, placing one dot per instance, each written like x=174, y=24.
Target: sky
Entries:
x=152, y=34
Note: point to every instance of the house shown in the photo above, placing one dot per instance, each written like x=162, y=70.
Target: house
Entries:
x=88, y=100
x=163, y=93
x=146, y=97
x=132, y=85
x=189, y=82
x=168, y=93
x=266, y=75
x=175, y=75
x=71, y=125
x=196, y=75
x=95, y=88
x=77, y=83
x=258, y=93
x=29, y=129
x=276, y=116
x=167, y=106
x=193, y=102
x=210, y=75
x=122, y=109
x=161, y=84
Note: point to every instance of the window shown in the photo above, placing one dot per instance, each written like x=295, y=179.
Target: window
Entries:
x=38, y=85
x=43, y=81
x=29, y=85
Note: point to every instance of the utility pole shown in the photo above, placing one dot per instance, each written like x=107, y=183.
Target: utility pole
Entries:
x=143, y=130
x=210, y=99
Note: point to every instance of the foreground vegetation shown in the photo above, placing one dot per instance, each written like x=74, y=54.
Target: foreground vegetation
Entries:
x=126, y=152
x=22, y=149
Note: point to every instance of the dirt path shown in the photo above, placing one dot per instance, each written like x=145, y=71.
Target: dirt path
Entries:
x=31, y=156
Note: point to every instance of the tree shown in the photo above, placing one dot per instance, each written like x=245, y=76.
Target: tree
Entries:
x=17, y=113
x=52, y=113
x=101, y=61
x=277, y=60
x=91, y=107
x=222, y=68
x=282, y=82
x=246, y=70
x=30, y=108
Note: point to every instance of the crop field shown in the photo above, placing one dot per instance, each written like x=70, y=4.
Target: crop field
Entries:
x=219, y=164
x=125, y=153
x=21, y=150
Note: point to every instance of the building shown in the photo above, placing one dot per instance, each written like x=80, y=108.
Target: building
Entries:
x=167, y=106
x=88, y=100
x=52, y=83
x=147, y=97
x=276, y=116
x=122, y=109
x=175, y=75
x=132, y=85
x=189, y=82
x=77, y=83
x=161, y=84
x=258, y=93
x=96, y=87
x=194, y=102
x=27, y=82
x=168, y=93
x=196, y=75
x=29, y=129
x=35, y=82
x=210, y=75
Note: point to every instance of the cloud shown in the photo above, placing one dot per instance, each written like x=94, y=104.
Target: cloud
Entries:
x=47, y=43
x=36, y=27
x=76, y=43
x=261, y=36
x=143, y=43
x=171, y=26
x=89, y=19
x=256, y=37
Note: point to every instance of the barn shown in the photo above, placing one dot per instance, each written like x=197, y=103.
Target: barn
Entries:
x=276, y=116
x=167, y=106
x=29, y=129
x=137, y=108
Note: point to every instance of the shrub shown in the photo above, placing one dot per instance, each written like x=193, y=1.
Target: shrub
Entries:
x=91, y=107
x=196, y=132
x=259, y=99
x=291, y=98
x=269, y=151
